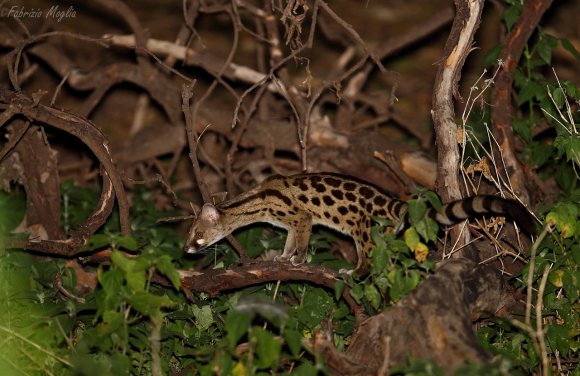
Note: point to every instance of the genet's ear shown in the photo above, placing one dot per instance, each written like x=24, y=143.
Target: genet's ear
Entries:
x=210, y=214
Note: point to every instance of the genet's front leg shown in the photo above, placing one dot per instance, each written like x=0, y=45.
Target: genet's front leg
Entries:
x=302, y=237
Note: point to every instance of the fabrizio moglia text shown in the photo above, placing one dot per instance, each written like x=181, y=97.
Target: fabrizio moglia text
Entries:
x=54, y=12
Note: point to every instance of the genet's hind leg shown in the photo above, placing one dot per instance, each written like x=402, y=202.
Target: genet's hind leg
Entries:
x=289, y=247
x=303, y=232
x=362, y=252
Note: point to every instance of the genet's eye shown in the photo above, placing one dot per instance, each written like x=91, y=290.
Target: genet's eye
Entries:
x=199, y=235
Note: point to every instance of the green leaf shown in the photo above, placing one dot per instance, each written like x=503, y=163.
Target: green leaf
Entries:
x=432, y=228
x=559, y=338
x=417, y=210
x=565, y=177
x=539, y=153
x=511, y=14
x=559, y=97
x=97, y=241
x=382, y=283
x=317, y=303
x=571, y=283
x=545, y=46
x=165, y=267
x=136, y=280
x=380, y=260
x=126, y=242
x=434, y=200
x=112, y=321
x=571, y=89
x=568, y=145
x=412, y=281
x=236, y=325
x=523, y=127
x=570, y=48
x=120, y=260
x=397, y=290
x=373, y=295
x=305, y=369
x=428, y=229
x=203, y=317
x=357, y=293
x=111, y=280
x=147, y=303
x=529, y=91
x=520, y=78
x=294, y=341
x=411, y=238
x=490, y=58
x=267, y=348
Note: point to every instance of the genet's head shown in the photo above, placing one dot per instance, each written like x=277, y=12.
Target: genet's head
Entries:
x=206, y=230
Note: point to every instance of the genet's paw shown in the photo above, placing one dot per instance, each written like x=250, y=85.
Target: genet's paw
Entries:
x=280, y=258
x=297, y=260
x=347, y=272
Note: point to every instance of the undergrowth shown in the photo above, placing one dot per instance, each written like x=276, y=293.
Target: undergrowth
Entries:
x=130, y=325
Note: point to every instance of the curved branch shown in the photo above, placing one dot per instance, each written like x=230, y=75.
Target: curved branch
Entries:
x=501, y=115
x=98, y=144
x=257, y=272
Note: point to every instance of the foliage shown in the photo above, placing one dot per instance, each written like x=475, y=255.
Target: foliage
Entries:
x=553, y=267
x=397, y=266
x=131, y=325
x=129, y=321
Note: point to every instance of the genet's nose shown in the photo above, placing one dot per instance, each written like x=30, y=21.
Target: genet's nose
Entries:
x=190, y=249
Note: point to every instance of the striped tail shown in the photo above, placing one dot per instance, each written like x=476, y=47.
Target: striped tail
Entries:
x=478, y=206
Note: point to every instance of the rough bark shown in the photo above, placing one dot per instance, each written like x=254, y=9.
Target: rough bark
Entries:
x=458, y=46
x=433, y=322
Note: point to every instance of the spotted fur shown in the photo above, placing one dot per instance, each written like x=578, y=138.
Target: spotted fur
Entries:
x=342, y=203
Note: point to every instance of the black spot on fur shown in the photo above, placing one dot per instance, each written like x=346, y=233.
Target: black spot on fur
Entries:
x=279, y=195
x=332, y=182
x=327, y=214
x=349, y=186
x=365, y=237
x=319, y=187
x=350, y=222
x=380, y=213
x=380, y=200
x=303, y=198
x=366, y=192
x=353, y=208
x=350, y=196
x=362, y=202
x=335, y=220
x=337, y=193
x=315, y=179
x=316, y=201
x=280, y=213
x=369, y=207
x=328, y=200
x=342, y=210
